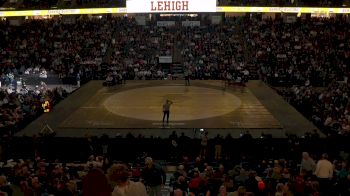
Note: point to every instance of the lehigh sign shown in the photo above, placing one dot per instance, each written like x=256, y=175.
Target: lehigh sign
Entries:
x=169, y=6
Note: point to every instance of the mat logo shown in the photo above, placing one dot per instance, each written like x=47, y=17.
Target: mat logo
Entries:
x=169, y=124
x=98, y=123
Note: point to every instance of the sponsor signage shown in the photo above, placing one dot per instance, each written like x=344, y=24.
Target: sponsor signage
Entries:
x=165, y=23
x=165, y=59
x=191, y=23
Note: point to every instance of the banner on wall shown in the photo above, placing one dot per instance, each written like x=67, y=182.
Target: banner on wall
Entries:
x=165, y=23
x=140, y=20
x=170, y=6
x=15, y=22
x=290, y=19
x=165, y=59
x=216, y=19
x=69, y=20
x=191, y=23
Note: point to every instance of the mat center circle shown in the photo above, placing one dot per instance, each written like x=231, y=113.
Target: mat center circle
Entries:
x=189, y=103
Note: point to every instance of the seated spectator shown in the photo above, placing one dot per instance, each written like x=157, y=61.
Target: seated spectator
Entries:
x=4, y=187
x=242, y=177
x=119, y=174
x=110, y=81
x=241, y=191
x=95, y=184
x=181, y=184
x=223, y=191
x=195, y=183
x=279, y=190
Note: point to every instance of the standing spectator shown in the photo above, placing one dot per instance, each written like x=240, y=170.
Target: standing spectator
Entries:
x=324, y=173
x=78, y=80
x=119, y=174
x=154, y=177
x=342, y=175
x=307, y=164
x=204, y=145
x=218, y=146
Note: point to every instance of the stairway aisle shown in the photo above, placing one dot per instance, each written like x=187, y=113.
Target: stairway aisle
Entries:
x=177, y=65
x=109, y=51
x=177, y=56
x=248, y=52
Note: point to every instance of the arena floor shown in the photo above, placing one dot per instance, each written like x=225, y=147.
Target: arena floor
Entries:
x=137, y=108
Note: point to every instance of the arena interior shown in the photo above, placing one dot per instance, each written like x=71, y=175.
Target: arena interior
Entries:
x=158, y=98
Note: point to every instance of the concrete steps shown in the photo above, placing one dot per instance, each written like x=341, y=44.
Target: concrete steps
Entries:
x=178, y=70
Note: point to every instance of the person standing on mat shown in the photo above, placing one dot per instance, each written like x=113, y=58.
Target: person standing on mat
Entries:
x=187, y=78
x=166, y=110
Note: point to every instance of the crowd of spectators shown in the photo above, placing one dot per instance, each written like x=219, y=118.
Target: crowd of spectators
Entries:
x=64, y=47
x=305, y=52
x=205, y=52
x=136, y=50
x=305, y=173
x=19, y=107
x=328, y=108
x=71, y=50
x=278, y=177
x=75, y=49
x=214, y=52
x=34, y=4
x=304, y=55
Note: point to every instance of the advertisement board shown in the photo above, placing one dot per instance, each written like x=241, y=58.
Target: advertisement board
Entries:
x=165, y=59
x=290, y=19
x=170, y=6
x=216, y=19
x=140, y=20
x=191, y=23
x=165, y=23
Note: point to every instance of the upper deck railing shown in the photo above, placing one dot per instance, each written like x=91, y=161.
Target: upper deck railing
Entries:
x=227, y=9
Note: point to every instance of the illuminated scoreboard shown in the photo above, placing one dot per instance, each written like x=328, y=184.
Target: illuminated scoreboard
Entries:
x=170, y=6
